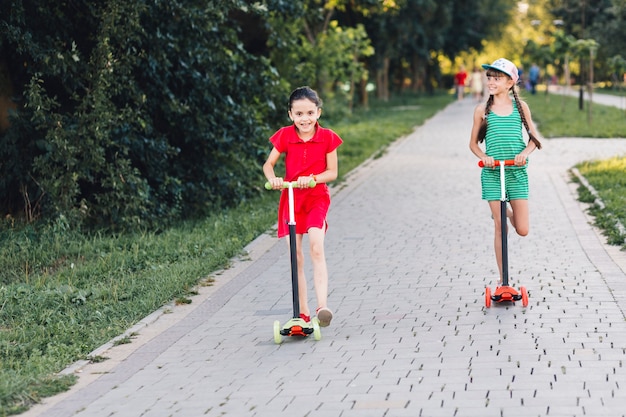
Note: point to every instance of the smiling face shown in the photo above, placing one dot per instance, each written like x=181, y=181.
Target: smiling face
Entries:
x=304, y=113
x=498, y=82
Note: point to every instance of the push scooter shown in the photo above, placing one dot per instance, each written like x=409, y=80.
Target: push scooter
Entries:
x=296, y=326
x=504, y=292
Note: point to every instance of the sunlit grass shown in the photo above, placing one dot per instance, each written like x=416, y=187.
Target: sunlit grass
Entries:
x=608, y=178
x=560, y=116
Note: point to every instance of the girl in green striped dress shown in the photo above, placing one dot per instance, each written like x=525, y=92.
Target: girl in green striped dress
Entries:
x=498, y=123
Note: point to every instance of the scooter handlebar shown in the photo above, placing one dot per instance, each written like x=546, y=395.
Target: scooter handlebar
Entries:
x=508, y=162
x=294, y=184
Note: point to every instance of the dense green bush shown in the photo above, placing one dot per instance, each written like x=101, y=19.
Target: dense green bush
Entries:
x=132, y=113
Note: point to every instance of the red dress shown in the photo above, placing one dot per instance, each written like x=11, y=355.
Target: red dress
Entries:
x=304, y=158
x=460, y=78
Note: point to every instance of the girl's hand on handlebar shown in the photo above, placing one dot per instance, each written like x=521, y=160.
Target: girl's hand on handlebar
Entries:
x=520, y=160
x=305, y=182
x=276, y=183
x=488, y=162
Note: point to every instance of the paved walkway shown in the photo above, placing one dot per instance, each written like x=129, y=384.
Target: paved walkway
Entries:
x=409, y=254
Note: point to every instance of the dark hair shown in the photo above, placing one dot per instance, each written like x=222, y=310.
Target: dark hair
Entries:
x=305, y=93
x=482, y=132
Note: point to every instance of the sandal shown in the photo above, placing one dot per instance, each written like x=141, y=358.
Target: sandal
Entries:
x=324, y=315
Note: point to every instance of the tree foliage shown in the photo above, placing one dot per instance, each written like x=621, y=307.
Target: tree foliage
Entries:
x=600, y=21
x=133, y=114
x=410, y=38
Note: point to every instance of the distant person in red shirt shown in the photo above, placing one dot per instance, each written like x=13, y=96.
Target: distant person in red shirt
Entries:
x=310, y=155
x=459, y=82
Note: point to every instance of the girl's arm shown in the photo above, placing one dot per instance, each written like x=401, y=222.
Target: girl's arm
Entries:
x=479, y=114
x=332, y=169
x=268, y=169
x=523, y=156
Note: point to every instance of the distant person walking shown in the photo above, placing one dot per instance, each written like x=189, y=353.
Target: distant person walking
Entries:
x=533, y=77
x=476, y=84
x=459, y=82
x=498, y=123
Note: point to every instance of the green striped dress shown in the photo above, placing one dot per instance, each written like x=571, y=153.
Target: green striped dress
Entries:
x=503, y=141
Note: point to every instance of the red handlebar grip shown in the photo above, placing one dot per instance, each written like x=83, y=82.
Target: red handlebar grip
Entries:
x=497, y=163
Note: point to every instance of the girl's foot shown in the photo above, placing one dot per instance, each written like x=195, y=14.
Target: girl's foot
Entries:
x=304, y=317
x=324, y=315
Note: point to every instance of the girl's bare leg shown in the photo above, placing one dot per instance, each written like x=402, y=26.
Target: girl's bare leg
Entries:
x=520, y=216
x=318, y=259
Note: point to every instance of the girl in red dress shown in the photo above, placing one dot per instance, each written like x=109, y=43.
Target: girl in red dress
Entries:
x=459, y=82
x=310, y=154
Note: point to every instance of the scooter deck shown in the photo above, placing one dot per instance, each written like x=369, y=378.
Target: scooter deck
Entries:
x=506, y=293
x=297, y=327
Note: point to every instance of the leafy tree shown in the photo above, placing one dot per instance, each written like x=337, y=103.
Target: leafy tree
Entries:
x=313, y=48
x=601, y=20
x=409, y=39
x=617, y=66
x=578, y=16
x=132, y=113
x=608, y=29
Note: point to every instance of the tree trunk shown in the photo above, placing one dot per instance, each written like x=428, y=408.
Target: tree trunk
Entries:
x=382, y=81
x=6, y=92
x=364, y=102
x=417, y=80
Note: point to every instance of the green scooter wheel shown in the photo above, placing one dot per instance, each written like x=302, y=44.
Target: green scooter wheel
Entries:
x=317, y=331
x=278, y=338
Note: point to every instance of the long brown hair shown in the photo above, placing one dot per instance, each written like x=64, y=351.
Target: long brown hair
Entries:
x=482, y=132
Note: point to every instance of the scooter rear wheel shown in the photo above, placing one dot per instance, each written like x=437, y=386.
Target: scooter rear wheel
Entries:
x=524, y=296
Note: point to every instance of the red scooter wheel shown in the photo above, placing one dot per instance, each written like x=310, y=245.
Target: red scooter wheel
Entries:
x=524, y=296
x=487, y=297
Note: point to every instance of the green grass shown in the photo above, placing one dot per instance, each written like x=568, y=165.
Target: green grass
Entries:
x=614, y=91
x=559, y=116
x=608, y=178
x=64, y=293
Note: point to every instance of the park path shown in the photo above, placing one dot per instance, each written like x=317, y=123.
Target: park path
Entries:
x=409, y=252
